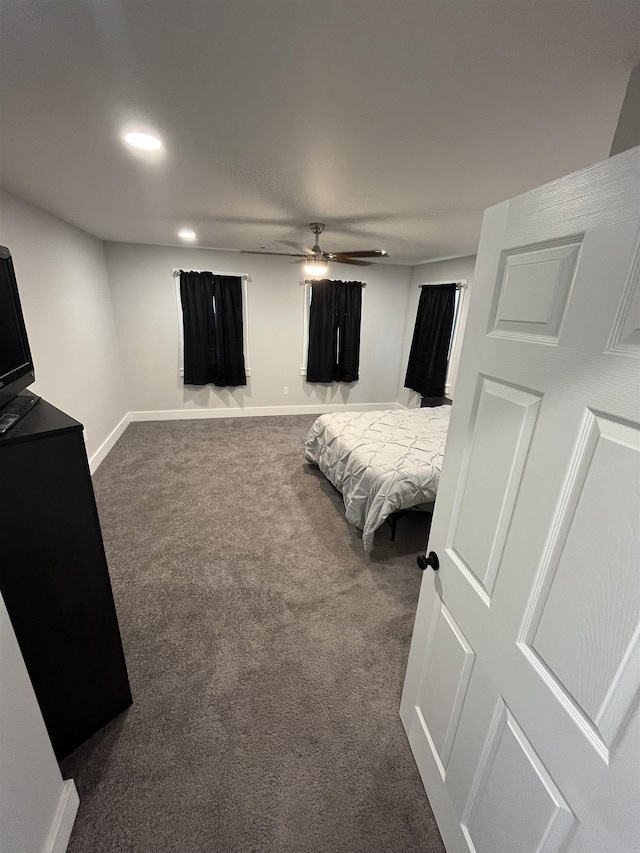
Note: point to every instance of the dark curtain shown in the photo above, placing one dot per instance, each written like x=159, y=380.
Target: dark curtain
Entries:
x=427, y=368
x=227, y=291
x=334, y=331
x=349, y=330
x=212, y=323
x=323, y=329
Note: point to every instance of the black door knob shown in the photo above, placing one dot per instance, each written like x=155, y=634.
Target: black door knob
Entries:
x=432, y=560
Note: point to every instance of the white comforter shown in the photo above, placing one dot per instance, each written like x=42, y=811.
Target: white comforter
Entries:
x=380, y=461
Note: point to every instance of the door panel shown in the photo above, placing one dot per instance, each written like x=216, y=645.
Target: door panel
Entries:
x=512, y=781
x=533, y=291
x=523, y=682
x=584, y=622
x=625, y=337
x=502, y=428
x=448, y=663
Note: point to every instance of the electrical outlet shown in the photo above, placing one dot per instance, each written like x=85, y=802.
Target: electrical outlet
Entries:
x=286, y=390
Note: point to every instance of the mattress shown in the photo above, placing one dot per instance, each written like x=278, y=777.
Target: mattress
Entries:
x=380, y=461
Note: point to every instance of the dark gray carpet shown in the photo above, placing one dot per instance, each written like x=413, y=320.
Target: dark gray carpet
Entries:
x=266, y=654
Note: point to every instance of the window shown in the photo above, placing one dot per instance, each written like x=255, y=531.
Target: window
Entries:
x=335, y=313
x=213, y=329
x=456, y=337
x=245, y=279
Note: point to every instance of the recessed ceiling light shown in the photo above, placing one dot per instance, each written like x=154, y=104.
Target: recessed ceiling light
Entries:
x=144, y=141
x=187, y=234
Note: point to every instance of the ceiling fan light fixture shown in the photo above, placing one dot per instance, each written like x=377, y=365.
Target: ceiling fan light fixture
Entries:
x=315, y=266
x=315, y=259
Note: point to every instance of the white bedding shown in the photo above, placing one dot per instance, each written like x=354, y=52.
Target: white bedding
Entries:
x=380, y=461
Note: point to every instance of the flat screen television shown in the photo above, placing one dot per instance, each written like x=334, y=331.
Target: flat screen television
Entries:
x=16, y=365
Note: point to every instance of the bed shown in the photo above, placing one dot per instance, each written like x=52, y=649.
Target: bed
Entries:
x=382, y=462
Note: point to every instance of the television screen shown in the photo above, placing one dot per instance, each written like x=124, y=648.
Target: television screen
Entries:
x=12, y=350
x=16, y=367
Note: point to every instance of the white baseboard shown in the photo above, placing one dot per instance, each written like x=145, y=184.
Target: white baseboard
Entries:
x=258, y=411
x=108, y=443
x=60, y=833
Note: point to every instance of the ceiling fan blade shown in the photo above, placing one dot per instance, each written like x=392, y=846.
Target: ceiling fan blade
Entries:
x=372, y=253
x=339, y=259
x=278, y=254
x=299, y=246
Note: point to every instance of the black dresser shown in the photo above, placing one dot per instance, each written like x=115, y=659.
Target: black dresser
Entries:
x=54, y=577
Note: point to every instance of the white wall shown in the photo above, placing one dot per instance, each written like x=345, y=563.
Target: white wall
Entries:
x=144, y=295
x=439, y=272
x=37, y=808
x=65, y=296
x=627, y=133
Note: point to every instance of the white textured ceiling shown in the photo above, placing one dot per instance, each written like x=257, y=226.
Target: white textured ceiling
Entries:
x=395, y=122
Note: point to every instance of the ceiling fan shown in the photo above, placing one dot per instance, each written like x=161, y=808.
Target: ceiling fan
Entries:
x=316, y=259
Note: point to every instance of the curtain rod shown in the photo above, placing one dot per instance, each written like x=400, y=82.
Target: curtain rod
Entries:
x=176, y=273
x=316, y=280
x=460, y=285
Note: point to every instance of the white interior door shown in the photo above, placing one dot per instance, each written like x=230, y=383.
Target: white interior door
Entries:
x=522, y=687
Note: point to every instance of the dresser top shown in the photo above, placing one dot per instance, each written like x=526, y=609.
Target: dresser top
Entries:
x=43, y=419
